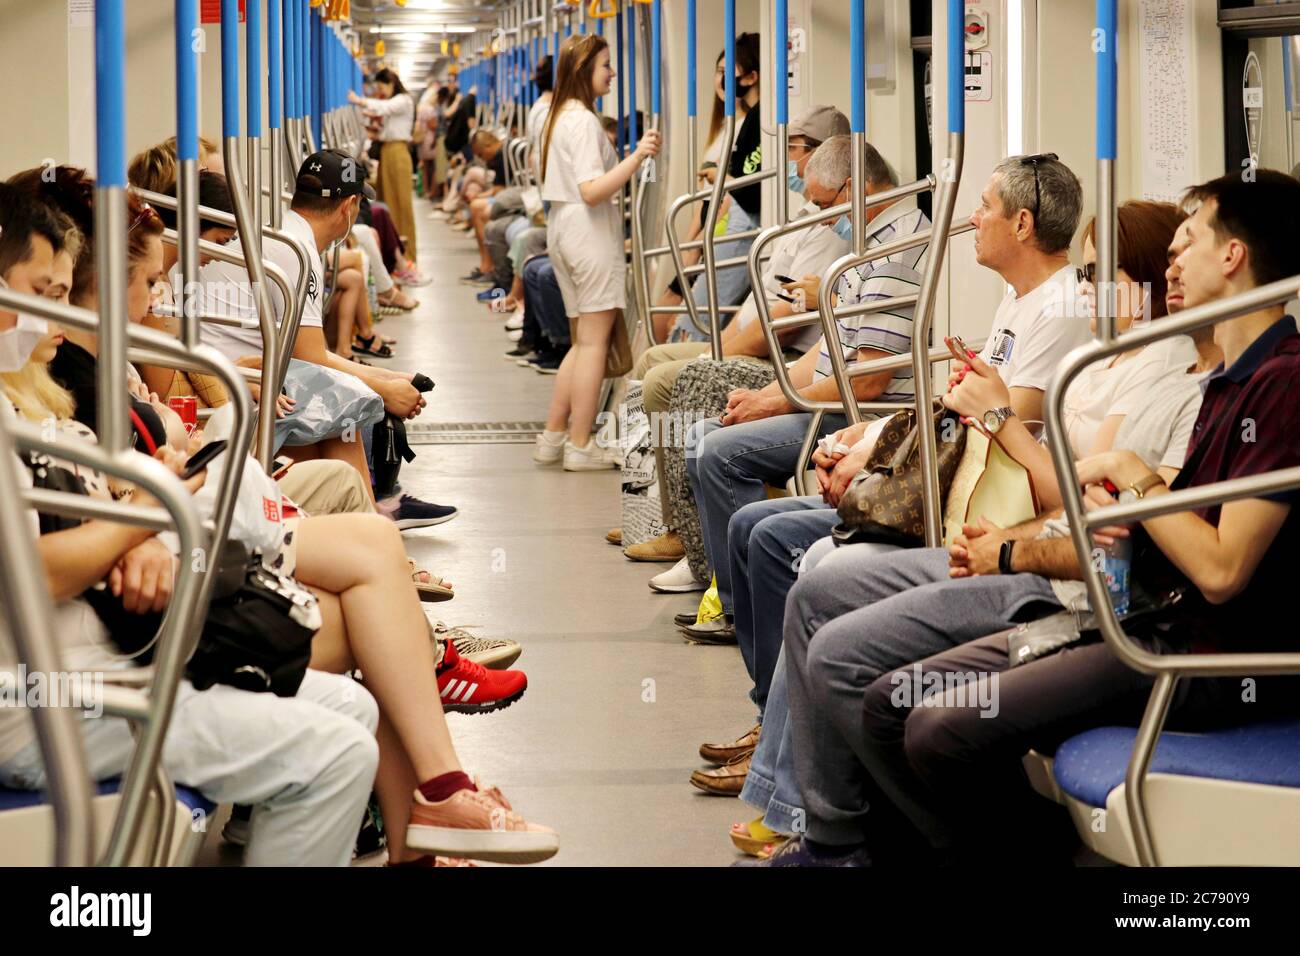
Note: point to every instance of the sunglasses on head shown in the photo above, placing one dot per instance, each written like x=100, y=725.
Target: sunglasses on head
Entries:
x=1035, y=161
x=1088, y=273
x=146, y=212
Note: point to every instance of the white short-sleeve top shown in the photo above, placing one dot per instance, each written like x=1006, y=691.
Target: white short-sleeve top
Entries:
x=579, y=152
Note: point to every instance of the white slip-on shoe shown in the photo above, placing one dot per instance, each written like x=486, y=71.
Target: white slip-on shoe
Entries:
x=550, y=450
x=592, y=457
x=516, y=321
x=677, y=580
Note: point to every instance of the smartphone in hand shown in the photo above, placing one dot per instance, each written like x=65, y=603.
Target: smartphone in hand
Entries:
x=200, y=459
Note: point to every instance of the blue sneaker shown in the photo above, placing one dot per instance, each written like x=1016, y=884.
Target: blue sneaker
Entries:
x=797, y=852
x=487, y=295
x=411, y=512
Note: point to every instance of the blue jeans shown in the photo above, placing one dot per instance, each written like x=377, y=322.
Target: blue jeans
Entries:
x=733, y=281
x=771, y=785
x=728, y=469
x=543, y=302
x=860, y=615
x=766, y=542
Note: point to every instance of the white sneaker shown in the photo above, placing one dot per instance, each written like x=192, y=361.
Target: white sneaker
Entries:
x=677, y=580
x=516, y=321
x=591, y=458
x=514, y=335
x=550, y=450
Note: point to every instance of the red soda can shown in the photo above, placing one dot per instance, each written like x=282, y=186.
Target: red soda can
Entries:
x=187, y=407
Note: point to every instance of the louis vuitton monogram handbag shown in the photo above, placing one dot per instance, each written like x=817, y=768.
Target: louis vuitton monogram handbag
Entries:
x=885, y=501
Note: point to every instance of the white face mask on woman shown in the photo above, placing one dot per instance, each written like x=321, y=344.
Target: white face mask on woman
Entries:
x=18, y=343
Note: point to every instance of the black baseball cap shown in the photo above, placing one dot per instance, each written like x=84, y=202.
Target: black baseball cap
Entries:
x=333, y=174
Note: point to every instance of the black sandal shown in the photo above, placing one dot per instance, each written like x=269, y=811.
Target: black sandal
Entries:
x=368, y=347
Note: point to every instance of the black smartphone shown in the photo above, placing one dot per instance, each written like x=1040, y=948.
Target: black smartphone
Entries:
x=784, y=279
x=199, y=460
x=281, y=465
x=787, y=298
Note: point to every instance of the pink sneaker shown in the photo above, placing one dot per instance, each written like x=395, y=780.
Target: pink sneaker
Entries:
x=478, y=825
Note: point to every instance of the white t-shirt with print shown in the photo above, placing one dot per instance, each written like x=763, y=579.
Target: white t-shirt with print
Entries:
x=1031, y=334
x=226, y=290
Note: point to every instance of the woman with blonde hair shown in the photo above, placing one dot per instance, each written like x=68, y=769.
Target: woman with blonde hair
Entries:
x=581, y=176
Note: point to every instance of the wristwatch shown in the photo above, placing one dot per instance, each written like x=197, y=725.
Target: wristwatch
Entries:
x=1004, y=557
x=1143, y=485
x=995, y=418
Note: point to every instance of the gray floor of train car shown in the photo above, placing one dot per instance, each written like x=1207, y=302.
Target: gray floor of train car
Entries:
x=602, y=744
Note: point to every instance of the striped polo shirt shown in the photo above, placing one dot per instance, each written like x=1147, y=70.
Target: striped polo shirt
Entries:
x=896, y=275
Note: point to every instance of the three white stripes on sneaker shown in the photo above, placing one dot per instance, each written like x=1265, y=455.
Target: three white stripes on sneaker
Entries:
x=455, y=688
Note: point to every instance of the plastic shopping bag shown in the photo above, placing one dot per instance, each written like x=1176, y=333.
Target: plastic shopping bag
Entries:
x=642, y=514
x=258, y=518
x=327, y=404
x=710, y=605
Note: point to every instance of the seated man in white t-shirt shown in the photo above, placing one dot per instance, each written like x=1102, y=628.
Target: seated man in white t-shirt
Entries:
x=324, y=208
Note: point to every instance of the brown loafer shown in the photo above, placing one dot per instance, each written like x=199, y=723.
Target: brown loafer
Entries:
x=721, y=753
x=615, y=536
x=666, y=547
x=727, y=780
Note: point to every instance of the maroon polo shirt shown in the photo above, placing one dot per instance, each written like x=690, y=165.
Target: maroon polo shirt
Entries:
x=1249, y=423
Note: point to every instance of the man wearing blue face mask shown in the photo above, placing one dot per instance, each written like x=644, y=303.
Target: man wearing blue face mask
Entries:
x=757, y=440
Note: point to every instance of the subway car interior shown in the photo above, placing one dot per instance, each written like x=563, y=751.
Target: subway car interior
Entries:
x=789, y=532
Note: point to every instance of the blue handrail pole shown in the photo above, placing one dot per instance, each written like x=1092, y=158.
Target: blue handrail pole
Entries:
x=923, y=317
x=632, y=130
x=619, y=69
x=187, y=168
x=692, y=94
x=318, y=78
x=1107, y=134
x=293, y=142
x=253, y=110
x=275, y=109
x=311, y=56
x=715, y=202
x=248, y=225
x=858, y=120
x=781, y=39
x=110, y=215
x=656, y=58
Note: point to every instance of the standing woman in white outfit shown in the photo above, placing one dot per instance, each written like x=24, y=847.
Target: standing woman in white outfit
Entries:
x=581, y=176
x=395, y=169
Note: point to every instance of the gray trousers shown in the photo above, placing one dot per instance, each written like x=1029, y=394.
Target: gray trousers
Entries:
x=860, y=614
x=494, y=237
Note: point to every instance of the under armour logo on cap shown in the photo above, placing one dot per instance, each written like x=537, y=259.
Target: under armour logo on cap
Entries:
x=316, y=167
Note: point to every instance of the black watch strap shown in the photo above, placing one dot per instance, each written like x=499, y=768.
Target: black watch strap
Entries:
x=1004, y=557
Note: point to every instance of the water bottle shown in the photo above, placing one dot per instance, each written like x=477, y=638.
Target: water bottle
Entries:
x=1117, y=560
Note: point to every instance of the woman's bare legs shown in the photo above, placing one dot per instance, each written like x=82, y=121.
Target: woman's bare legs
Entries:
x=350, y=287
x=582, y=370
x=371, y=619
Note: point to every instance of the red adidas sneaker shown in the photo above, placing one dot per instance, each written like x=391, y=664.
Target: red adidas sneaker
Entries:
x=469, y=688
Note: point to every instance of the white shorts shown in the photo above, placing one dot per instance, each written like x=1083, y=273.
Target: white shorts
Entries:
x=586, y=250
